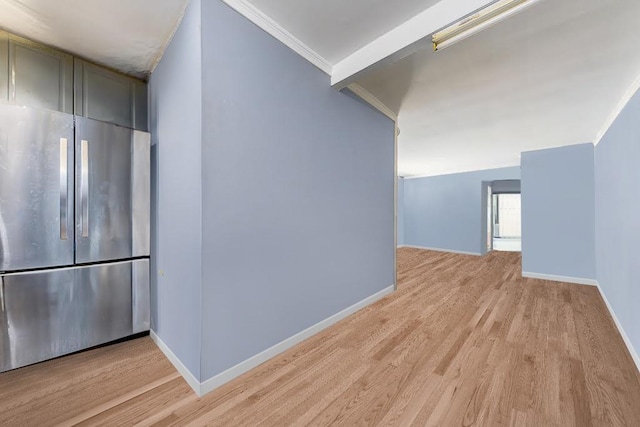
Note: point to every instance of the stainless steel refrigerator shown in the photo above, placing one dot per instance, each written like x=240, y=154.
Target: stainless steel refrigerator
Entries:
x=74, y=234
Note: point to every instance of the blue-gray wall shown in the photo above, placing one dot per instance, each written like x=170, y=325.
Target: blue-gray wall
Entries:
x=175, y=102
x=298, y=213
x=445, y=211
x=558, y=212
x=400, y=211
x=617, y=185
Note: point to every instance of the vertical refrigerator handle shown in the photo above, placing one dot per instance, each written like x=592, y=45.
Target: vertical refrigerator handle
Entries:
x=64, y=188
x=2, y=305
x=84, y=186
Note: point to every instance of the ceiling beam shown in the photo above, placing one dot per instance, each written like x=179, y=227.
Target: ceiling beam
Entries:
x=403, y=40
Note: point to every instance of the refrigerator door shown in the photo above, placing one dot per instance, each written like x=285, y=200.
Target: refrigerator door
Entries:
x=36, y=188
x=103, y=191
x=45, y=314
x=141, y=300
x=141, y=196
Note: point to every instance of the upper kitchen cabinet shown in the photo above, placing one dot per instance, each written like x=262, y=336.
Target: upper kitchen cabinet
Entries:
x=34, y=75
x=104, y=95
x=38, y=76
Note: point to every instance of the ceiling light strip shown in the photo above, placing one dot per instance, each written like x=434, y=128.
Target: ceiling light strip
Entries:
x=484, y=18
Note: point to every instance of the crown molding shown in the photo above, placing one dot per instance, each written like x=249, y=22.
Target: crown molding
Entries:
x=635, y=86
x=253, y=14
x=372, y=100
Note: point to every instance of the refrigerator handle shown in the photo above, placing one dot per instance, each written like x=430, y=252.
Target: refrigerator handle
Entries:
x=64, y=188
x=2, y=307
x=84, y=186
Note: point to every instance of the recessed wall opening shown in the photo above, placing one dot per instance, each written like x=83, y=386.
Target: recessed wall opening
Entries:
x=507, y=225
x=501, y=216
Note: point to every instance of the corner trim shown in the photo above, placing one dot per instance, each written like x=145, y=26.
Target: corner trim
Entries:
x=186, y=373
x=453, y=251
x=625, y=338
x=565, y=279
x=371, y=99
x=635, y=86
x=255, y=15
x=395, y=206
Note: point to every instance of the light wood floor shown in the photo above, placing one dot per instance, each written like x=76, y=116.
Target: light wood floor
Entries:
x=464, y=341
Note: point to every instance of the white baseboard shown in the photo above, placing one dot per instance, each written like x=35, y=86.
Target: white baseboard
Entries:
x=186, y=373
x=242, y=367
x=625, y=338
x=566, y=279
x=453, y=251
x=591, y=282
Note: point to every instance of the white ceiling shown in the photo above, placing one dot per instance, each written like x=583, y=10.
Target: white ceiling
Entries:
x=550, y=76
x=336, y=28
x=128, y=35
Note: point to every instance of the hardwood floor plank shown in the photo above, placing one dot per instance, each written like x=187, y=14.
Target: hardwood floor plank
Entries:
x=582, y=407
x=468, y=375
x=136, y=406
x=52, y=392
x=465, y=340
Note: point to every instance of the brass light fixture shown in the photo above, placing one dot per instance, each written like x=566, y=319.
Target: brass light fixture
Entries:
x=484, y=18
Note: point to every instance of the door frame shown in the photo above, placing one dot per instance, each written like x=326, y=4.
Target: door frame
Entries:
x=486, y=215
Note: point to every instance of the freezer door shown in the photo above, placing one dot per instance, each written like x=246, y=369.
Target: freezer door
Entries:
x=36, y=188
x=103, y=191
x=45, y=314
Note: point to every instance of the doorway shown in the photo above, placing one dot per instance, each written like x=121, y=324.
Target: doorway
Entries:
x=501, y=225
x=507, y=224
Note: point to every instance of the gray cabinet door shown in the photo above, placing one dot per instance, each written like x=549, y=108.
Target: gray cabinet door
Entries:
x=110, y=97
x=54, y=312
x=39, y=76
x=103, y=191
x=36, y=188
